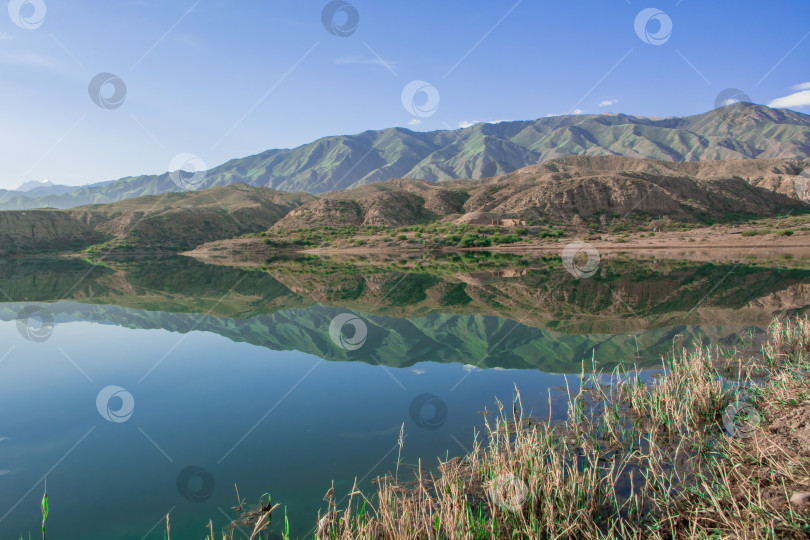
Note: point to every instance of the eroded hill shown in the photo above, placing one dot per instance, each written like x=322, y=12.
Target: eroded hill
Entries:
x=567, y=187
x=172, y=221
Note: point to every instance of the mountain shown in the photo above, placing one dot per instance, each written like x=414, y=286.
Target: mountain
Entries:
x=393, y=203
x=27, y=194
x=566, y=187
x=34, y=184
x=168, y=221
x=559, y=191
x=739, y=131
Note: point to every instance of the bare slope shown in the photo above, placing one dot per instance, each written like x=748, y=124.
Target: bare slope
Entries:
x=168, y=221
x=563, y=188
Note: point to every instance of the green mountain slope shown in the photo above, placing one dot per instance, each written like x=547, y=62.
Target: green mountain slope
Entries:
x=482, y=150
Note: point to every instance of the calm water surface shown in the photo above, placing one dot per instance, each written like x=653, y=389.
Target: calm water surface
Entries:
x=161, y=384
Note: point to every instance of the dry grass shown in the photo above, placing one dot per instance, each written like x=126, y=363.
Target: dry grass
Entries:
x=633, y=460
x=747, y=490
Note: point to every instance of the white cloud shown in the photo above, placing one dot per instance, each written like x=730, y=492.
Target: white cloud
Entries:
x=802, y=86
x=797, y=99
x=466, y=123
x=5, y=36
x=414, y=122
x=577, y=111
x=608, y=102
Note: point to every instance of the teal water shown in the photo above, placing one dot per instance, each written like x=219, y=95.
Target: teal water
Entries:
x=216, y=384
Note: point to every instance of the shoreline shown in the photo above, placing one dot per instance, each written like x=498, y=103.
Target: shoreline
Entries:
x=710, y=456
x=752, y=237
x=253, y=251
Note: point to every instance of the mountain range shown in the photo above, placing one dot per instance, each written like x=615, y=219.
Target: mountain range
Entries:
x=563, y=190
x=739, y=131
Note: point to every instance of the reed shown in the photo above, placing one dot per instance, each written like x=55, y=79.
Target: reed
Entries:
x=633, y=459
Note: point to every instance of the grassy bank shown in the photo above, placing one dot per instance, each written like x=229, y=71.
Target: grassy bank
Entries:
x=718, y=446
x=447, y=235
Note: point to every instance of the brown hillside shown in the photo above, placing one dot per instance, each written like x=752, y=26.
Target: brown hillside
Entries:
x=170, y=220
x=394, y=203
x=565, y=187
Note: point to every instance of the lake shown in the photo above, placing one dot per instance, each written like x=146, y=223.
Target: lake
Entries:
x=144, y=387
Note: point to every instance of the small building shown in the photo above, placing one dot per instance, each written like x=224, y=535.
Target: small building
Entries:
x=509, y=222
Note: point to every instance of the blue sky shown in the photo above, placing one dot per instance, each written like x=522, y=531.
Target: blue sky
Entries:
x=222, y=79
